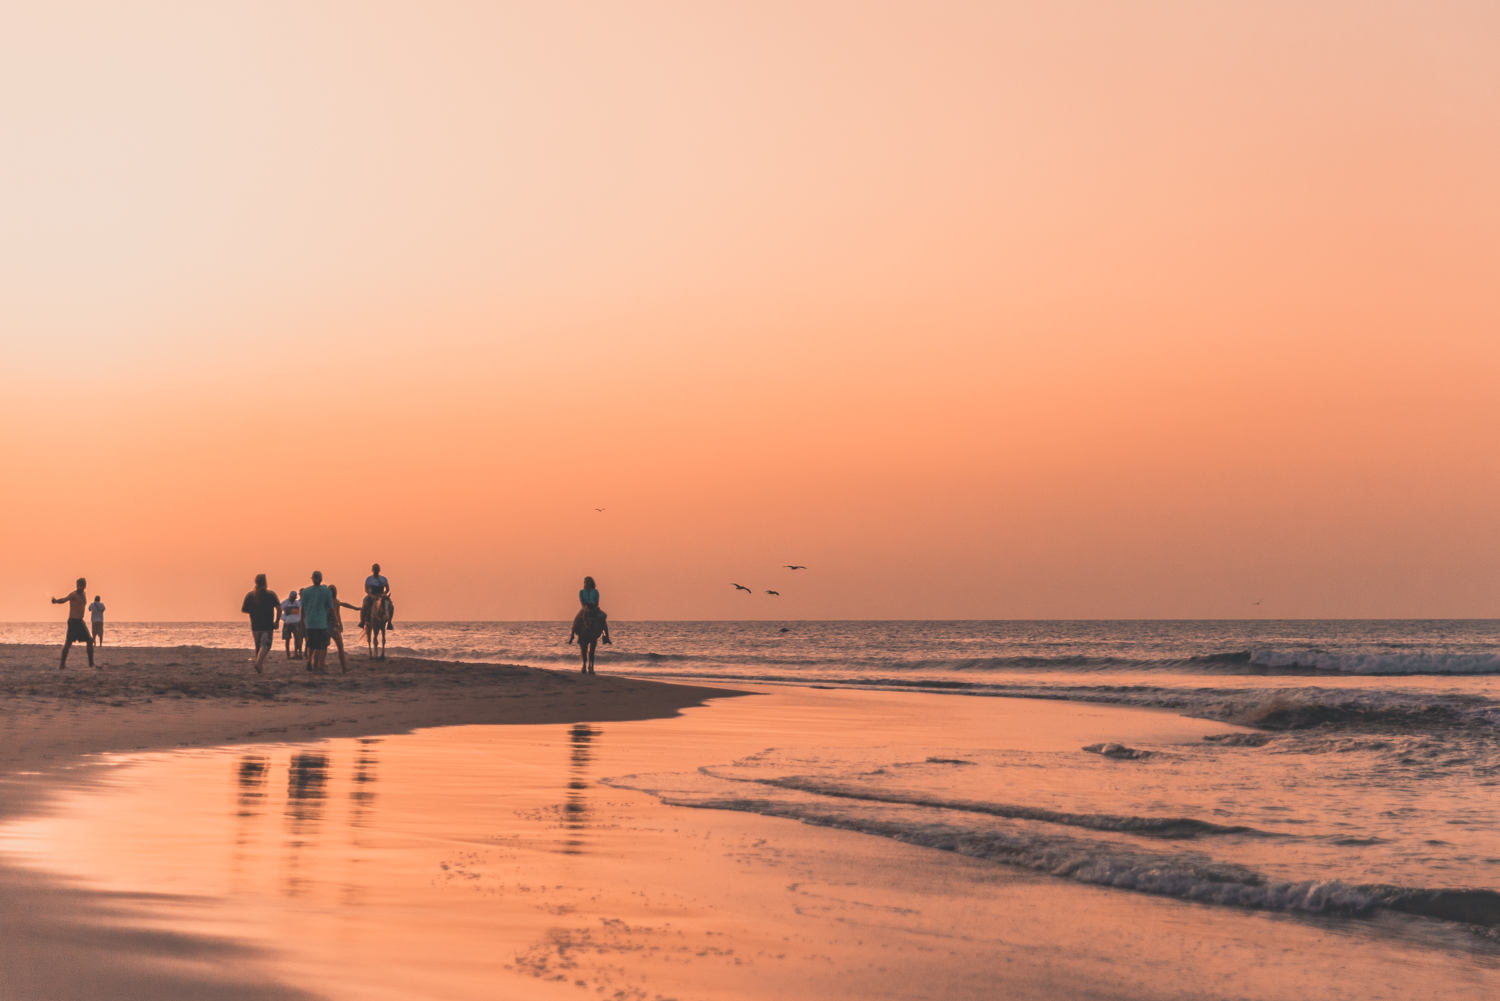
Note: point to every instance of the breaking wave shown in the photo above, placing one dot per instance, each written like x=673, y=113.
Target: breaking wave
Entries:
x=1111, y=850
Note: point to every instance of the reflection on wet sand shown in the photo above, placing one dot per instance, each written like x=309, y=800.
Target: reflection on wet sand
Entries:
x=253, y=772
x=576, y=809
x=362, y=796
x=468, y=879
x=307, y=775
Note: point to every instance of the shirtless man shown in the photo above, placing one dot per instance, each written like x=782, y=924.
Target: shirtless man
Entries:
x=77, y=631
x=376, y=588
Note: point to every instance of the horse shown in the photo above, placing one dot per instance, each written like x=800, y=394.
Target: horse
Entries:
x=588, y=626
x=375, y=623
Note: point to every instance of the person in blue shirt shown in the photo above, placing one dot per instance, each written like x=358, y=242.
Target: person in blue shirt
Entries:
x=317, y=604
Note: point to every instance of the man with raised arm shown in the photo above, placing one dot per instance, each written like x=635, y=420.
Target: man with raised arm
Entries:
x=377, y=588
x=77, y=631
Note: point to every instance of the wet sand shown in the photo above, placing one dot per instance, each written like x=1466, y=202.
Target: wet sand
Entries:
x=466, y=862
x=66, y=942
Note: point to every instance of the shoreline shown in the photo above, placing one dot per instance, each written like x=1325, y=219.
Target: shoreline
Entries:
x=162, y=698
x=62, y=941
x=551, y=855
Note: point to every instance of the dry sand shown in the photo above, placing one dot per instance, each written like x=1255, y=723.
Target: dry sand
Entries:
x=60, y=942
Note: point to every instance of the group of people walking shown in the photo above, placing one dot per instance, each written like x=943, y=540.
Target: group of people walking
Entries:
x=311, y=618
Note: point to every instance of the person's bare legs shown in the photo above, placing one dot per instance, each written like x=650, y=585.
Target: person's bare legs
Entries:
x=66, y=644
x=343, y=661
x=91, y=651
x=318, y=657
x=260, y=655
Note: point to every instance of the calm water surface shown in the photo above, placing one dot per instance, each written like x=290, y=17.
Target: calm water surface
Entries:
x=945, y=845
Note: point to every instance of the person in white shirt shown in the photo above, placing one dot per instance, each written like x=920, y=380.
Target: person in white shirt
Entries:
x=291, y=625
x=96, y=619
x=376, y=589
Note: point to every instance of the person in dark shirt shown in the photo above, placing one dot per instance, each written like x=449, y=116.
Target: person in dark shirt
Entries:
x=264, y=609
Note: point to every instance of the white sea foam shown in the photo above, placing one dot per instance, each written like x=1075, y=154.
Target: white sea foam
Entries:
x=1437, y=662
x=1319, y=821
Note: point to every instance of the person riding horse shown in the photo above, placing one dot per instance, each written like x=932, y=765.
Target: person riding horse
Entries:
x=377, y=588
x=589, y=624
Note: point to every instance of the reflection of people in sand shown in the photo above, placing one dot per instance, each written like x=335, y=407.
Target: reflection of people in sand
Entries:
x=576, y=809
x=264, y=609
x=317, y=603
x=77, y=632
x=336, y=625
x=96, y=619
x=589, y=624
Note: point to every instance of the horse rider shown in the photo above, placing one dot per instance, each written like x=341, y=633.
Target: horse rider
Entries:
x=377, y=588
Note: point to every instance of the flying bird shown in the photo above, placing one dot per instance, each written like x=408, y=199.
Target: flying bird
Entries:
x=742, y=588
x=790, y=567
x=598, y=509
x=777, y=593
x=1257, y=602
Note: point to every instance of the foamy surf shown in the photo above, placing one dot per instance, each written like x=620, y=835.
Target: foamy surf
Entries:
x=1318, y=823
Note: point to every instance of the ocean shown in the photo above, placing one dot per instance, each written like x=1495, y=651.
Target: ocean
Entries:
x=1219, y=669
x=1367, y=786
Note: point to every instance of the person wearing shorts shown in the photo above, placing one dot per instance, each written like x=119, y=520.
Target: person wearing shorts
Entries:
x=291, y=624
x=77, y=631
x=96, y=619
x=264, y=609
x=317, y=606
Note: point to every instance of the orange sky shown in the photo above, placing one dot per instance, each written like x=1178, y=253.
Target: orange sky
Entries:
x=1047, y=309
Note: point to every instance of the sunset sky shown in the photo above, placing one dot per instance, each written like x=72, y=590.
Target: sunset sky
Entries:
x=1052, y=309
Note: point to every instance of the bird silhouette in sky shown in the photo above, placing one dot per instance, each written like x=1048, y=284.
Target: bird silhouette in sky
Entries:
x=790, y=567
x=777, y=593
x=742, y=588
x=598, y=509
x=1257, y=602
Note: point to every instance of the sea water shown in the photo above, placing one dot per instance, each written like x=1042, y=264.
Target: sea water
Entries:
x=799, y=843
x=1363, y=781
x=1228, y=669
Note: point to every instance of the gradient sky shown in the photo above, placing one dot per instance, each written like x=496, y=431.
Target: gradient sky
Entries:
x=1075, y=308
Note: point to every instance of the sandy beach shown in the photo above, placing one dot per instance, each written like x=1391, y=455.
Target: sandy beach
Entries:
x=147, y=698
x=60, y=942
x=179, y=827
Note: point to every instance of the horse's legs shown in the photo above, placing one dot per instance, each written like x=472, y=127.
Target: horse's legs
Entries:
x=583, y=654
